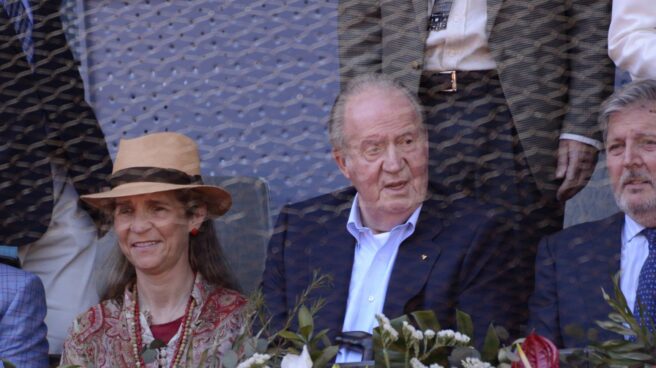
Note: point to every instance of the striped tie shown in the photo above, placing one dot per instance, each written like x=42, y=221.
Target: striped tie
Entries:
x=23, y=25
x=646, y=293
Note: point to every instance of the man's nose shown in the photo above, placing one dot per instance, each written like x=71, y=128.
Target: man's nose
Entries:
x=632, y=155
x=393, y=160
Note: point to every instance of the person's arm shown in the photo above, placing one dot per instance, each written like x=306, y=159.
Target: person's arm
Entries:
x=590, y=81
x=22, y=327
x=632, y=37
x=360, y=38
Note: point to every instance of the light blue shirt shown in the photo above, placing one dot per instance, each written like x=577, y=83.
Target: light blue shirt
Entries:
x=635, y=249
x=372, y=267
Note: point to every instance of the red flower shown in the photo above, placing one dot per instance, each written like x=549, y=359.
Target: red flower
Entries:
x=540, y=352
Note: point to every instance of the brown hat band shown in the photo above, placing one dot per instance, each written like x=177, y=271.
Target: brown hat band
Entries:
x=153, y=175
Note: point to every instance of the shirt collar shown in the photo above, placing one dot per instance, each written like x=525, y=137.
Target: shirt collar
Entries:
x=354, y=223
x=631, y=228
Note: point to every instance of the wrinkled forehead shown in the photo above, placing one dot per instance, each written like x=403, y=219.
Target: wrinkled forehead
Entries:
x=380, y=111
x=633, y=120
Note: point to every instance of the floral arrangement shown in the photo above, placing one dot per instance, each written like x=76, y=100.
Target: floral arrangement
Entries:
x=415, y=340
x=639, y=350
x=410, y=341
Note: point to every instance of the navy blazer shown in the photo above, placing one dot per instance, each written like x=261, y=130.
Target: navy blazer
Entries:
x=43, y=119
x=460, y=256
x=572, y=266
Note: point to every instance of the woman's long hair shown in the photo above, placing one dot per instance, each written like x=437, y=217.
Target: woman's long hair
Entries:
x=205, y=256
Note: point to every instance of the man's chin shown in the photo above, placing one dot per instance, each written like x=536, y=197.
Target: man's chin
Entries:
x=637, y=203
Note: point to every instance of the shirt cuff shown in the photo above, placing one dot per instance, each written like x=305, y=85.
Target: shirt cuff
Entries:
x=579, y=138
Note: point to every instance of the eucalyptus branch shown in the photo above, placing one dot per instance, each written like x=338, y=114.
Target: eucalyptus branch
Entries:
x=318, y=281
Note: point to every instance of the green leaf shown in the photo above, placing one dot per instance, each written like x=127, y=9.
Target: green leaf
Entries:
x=635, y=356
x=156, y=344
x=149, y=355
x=426, y=319
x=306, y=332
x=465, y=324
x=326, y=356
x=491, y=345
x=229, y=359
x=305, y=318
x=616, y=317
x=8, y=364
x=291, y=336
x=262, y=345
x=460, y=353
x=615, y=327
x=249, y=347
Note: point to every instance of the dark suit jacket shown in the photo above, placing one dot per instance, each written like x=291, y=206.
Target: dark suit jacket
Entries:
x=468, y=259
x=571, y=268
x=551, y=57
x=43, y=118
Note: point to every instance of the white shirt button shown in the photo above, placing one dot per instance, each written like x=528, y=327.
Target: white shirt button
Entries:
x=371, y=299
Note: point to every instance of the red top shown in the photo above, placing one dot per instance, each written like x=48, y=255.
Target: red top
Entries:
x=166, y=331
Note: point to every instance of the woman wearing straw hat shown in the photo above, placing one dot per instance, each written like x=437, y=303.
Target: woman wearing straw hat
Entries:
x=171, y=282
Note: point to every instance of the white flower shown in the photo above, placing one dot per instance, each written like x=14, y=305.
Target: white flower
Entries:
x=475, y=363
x=429, y=334
x=408, y=328
x=386, y=326
x=415, y=363
x=382, y=319
x=418, y=335
x=297, y=361
x=255, y=361
x=393, y=334
x=462, y=338
x=445, y=334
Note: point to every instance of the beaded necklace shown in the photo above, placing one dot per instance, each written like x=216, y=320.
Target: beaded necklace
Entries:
x=137, y=339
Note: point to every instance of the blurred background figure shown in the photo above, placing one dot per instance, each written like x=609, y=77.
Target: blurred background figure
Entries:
x=52, y=150
x=171, y=282
x=632, y=37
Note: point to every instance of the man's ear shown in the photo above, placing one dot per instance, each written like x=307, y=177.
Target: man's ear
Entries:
x=340, y=160
x=198, y=217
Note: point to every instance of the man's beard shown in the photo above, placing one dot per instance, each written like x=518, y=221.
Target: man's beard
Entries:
x=639, y=208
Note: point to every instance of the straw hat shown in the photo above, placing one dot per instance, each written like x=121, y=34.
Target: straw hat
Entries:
x=159, y=162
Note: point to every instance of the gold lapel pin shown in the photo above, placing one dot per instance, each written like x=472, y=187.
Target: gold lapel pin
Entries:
x=424, y=257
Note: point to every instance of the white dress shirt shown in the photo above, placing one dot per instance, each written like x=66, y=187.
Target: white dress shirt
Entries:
x=635, y=249
x=372, y=267
x=463, y=45
x=632, y=37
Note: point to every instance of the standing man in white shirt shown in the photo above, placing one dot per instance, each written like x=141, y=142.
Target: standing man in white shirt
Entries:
x=511, y=90
x=573, y=265
x=632, y=37
x=389, y=243
x=52, y=150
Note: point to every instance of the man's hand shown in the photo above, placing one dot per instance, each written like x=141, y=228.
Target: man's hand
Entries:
x=576, y=162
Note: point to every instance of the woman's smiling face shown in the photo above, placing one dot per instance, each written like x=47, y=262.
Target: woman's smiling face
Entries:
x=153, y=231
